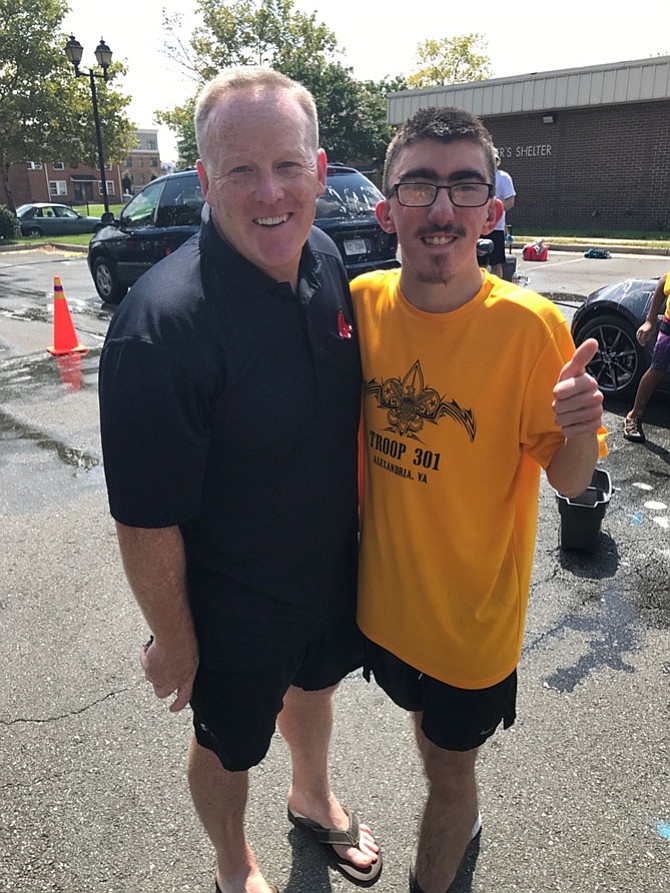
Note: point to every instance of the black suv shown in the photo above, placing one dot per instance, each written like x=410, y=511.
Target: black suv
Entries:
x=167, y=212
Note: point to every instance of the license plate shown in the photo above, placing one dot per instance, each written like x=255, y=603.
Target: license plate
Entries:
x=355, y=246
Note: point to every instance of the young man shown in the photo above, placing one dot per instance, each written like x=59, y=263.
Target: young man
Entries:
x=505, y=193
x=230, y=401
x=471, y=385
x=660, y=359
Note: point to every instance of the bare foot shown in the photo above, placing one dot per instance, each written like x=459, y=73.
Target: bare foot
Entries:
x=331, y=815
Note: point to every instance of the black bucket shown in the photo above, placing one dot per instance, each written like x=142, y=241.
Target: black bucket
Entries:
x=582, y=515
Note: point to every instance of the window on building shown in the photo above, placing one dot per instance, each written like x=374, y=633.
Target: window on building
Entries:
x=129, y=162
x=140, y=162
x=57, y=187
x=110, y=187
x=59, y=165
x=34, y=165
x=153, y=162
x=152, y=144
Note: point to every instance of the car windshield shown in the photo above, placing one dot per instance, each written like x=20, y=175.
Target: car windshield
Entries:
x=349, y=196
x=141, y=210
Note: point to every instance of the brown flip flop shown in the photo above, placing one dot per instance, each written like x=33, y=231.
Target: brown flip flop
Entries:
x=329, y=837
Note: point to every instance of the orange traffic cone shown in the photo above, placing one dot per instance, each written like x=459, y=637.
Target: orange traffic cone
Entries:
x=65, y=338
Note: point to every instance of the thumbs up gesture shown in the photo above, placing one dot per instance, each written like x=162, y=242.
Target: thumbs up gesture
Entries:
x=578, y=402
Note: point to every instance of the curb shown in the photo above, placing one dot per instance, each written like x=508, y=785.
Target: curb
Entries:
x=17, y=247
x=61, y=246
x=613, y=249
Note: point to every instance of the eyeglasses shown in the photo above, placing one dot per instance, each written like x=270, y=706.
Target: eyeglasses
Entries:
x=461, y=195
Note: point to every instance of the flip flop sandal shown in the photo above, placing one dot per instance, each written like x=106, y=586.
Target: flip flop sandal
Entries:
x=330, y=837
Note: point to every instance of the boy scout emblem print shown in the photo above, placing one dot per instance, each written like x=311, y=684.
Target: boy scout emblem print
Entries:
x=410, y=404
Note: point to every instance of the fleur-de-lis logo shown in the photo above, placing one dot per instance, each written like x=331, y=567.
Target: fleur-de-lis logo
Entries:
x=411, y=404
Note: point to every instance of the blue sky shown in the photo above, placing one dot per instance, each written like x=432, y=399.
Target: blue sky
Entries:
x=380, y=38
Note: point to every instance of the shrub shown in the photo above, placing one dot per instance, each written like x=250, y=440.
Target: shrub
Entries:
x=9, y=225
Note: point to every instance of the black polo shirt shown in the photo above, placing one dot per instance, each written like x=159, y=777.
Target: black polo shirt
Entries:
x=229, y=406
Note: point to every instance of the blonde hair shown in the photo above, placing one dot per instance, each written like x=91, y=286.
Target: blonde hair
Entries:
x=259, y=80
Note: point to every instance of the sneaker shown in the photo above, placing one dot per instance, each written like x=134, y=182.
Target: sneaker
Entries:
x=632, y=429
x=477, y=827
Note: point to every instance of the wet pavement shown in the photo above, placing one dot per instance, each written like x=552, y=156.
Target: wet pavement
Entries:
x=575, y=797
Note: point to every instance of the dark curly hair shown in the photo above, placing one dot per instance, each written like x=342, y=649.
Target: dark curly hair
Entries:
x=444, y=125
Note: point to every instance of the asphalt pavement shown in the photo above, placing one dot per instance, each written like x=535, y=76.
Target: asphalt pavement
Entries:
x=576, y=797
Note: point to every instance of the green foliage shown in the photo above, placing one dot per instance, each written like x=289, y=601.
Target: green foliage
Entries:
x=9, y=225
x=180, y=120
x=451, y=60
x=45, y=111
x=352, y=114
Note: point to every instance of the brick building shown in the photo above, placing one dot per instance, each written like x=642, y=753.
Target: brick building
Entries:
x=587, y=148
x=36, y=181
x=143, y=163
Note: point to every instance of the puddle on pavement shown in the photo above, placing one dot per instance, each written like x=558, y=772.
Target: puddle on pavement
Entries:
x=616, y=623
x=31, y=314
x=43, y=472
x=616, y=633
x=12, y=431
x=54, y=376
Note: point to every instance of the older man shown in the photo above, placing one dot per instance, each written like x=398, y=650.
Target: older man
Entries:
x=230, y=386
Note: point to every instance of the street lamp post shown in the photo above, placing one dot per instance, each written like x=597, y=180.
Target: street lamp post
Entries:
x=103, y=54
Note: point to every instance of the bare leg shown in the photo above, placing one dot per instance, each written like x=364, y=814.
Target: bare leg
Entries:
x=220, y=798
x=497, y=270
x=306, y=724
x=648, y=384
x=449, y=814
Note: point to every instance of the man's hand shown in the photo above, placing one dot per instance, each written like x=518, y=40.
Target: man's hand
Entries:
x=578, y=402
x=642, y=334
x=171, y=669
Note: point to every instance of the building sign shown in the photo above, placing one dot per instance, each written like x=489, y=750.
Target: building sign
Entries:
x=524, y=151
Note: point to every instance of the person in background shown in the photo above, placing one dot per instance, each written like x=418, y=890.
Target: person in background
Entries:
x=506, y=194
x=230, y=402
x=471, y=386
x=660, y=359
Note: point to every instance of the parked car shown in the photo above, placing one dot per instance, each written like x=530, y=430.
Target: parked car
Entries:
x=165, y=213
x=47, y=219
x=612, y=315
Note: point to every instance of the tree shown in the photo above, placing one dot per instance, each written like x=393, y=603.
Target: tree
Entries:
x=180, y=120
x=248, y=32
x=451, y=60
x=45, y=111
x=352, y=115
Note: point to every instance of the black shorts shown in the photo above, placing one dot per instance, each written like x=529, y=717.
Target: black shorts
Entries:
x=235, y=711
x=453, y=718
x=497, y=256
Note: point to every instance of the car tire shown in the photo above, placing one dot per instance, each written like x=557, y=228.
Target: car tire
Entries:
x=106, y=281
x=620, y=362
x=33, y=232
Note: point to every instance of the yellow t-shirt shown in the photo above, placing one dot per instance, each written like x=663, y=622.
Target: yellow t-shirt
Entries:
x=666, y=291
x=457, y=422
